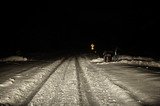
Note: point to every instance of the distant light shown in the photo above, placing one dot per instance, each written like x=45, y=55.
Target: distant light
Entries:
x=92, y=46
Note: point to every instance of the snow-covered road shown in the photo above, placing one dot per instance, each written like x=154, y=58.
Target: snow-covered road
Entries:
x=78, y=81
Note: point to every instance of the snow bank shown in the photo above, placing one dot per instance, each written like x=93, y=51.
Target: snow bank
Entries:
x=14, y=58
x=126, y=57
x=97, y=60
x=103, y=63
x=142, y=61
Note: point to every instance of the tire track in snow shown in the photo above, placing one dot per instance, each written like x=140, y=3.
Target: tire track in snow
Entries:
x=41, y=85
x=66, y=68
x=141, y=102
x=67, y=92
x=79, y=85
x=123, y=93
x=60, y=88
x=127, y=90
x=85, y=95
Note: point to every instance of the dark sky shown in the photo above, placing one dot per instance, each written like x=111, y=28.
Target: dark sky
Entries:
x=45, y=26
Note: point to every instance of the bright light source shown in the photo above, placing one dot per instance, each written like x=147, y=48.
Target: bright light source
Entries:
x=92, y=46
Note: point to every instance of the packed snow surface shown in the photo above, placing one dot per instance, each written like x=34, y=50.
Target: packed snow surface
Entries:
x=81, y=81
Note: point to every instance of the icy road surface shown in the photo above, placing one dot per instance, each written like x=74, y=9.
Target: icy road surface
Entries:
x=78, y=81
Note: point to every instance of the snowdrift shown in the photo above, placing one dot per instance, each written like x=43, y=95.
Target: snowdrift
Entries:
x=142, y=61
x=97, y=60
x=129, y=58
x=132, y=60
x=14, y=58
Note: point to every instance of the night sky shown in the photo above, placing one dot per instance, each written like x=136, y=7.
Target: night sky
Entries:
x=44, y=26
